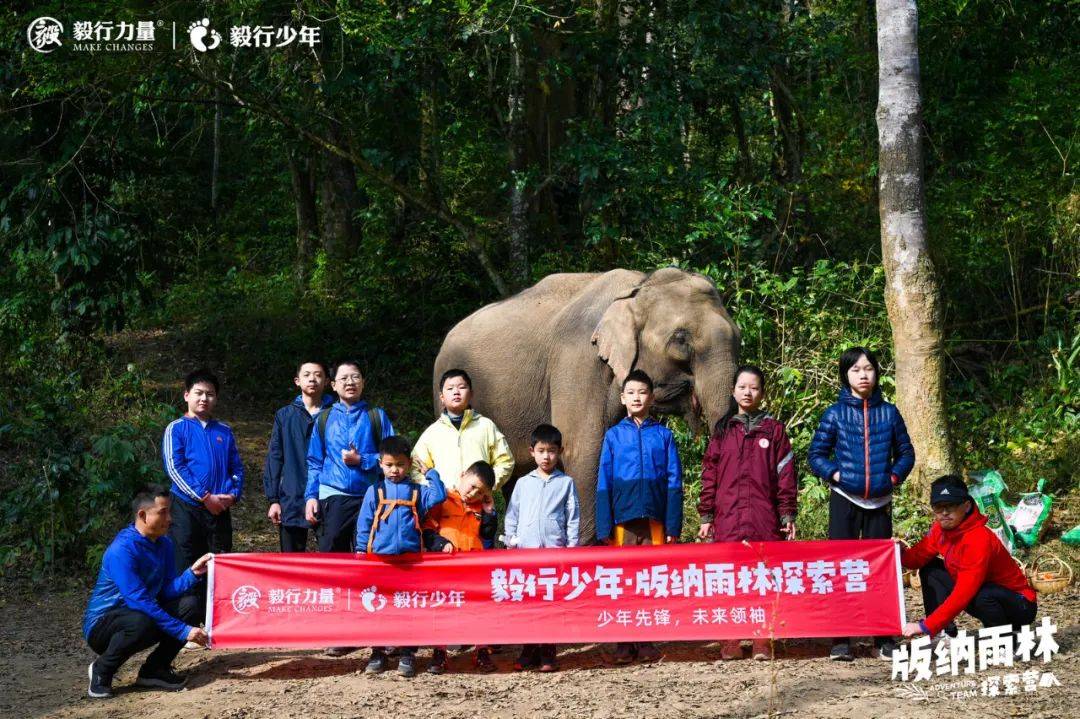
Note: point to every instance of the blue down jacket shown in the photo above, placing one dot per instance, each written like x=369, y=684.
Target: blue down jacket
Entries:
x=867, y=441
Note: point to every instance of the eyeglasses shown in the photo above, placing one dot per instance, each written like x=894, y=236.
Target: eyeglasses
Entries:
x=350, y=378
x=946, y=508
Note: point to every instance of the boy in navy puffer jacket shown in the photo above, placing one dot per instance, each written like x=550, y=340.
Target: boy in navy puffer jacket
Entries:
x=862, y=449
x=390, y=522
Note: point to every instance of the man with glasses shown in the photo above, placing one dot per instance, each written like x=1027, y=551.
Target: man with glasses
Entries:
x=343, y=460
x=965, y=567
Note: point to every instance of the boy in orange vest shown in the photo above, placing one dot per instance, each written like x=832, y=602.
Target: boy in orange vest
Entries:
x=462, y=523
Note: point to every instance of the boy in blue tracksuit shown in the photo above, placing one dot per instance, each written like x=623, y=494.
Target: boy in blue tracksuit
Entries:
x=390, y=522
x=285, y=472
x=140, y=600
x=201, y=459
x=343, y=460
x=639, y=490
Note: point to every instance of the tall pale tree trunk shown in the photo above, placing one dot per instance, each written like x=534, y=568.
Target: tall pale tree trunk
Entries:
x=912, y=292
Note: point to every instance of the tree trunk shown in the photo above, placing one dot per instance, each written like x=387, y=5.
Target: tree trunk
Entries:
x=429, y=131
x=307, y=224
x=519, y=202
x=746, y=162
x=912, y=293
x=341, y=236
x=215, y=164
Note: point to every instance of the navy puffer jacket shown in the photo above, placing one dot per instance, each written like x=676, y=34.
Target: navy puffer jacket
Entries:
x=867, y=441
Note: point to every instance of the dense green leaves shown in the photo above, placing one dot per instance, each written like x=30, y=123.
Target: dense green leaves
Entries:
x=732, y=137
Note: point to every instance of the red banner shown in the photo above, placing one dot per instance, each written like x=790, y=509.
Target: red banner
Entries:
x=581, y=595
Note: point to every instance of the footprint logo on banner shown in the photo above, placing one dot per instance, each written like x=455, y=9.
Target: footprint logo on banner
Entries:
x=372, y=600
x=198, y=33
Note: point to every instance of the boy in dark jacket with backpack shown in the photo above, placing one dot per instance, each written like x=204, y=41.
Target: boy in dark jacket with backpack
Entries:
x=391, y=521
x=285, y=472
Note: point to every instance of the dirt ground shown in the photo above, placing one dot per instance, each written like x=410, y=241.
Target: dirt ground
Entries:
x=43, y=662
x=43, y=674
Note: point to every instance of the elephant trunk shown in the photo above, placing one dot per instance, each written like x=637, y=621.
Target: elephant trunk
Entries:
x=712, y=389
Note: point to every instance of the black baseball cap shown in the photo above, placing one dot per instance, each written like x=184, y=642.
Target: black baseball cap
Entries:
x=949, y=489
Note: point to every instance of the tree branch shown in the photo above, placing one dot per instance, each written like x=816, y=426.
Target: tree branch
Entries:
x=462, y=225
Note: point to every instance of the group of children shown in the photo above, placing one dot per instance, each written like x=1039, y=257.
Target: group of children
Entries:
x=339, y=467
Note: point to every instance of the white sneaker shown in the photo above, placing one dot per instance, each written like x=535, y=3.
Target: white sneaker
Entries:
x=942, y=640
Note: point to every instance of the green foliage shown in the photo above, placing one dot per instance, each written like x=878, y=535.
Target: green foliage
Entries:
x=651, y=138
x=72, y=458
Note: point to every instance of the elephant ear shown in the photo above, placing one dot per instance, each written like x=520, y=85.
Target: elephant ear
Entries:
x=615, y=336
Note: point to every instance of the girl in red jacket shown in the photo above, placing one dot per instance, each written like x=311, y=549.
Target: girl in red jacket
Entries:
x=748, y=483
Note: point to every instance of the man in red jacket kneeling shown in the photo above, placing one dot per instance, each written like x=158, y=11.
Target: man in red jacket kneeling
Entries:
x=965, y=567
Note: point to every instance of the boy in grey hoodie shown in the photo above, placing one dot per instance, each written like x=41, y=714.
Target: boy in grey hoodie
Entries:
x=542, y=513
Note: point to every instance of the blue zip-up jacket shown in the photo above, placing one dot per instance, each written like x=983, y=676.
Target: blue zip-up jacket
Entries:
x=400, y=532
x=285, y=473
x=867, y=441
x=639, y=476
x=137, y=573
x=345, y=426
x=201, y=460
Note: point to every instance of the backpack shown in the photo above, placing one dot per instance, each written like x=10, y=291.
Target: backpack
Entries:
x=373, y=418
x=390, y=505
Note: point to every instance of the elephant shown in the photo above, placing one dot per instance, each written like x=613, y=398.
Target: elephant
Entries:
x=558, y=352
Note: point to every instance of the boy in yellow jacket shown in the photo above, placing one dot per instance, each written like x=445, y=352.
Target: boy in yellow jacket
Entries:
x=462, y=436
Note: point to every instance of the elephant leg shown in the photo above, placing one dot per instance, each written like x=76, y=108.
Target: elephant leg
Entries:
x=583, y=434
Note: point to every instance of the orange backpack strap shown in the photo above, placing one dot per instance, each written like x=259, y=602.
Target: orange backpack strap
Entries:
x=412, y=506
x=376, y=519
x=386, y=506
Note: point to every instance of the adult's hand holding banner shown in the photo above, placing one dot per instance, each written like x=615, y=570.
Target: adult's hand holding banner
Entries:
x=580, y=595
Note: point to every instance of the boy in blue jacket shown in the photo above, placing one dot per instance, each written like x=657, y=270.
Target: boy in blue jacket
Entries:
x=285, y=472
x=343, y=460
x=201, y=459
x=639, y=490
x=390, y=522
x=140, y=601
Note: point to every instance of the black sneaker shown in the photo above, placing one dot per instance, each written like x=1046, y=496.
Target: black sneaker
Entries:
x=100, y=687
x=161, y=678
x=438, y=662
x=483, y=660
x=528, y=659
x=625, y=652
x=841, y=653
x=886, y=649
x=377, y=663
x=406, y=666
x=340, y=651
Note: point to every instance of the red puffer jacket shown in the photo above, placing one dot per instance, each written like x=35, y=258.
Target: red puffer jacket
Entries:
x=748, y=481
x=973, y=555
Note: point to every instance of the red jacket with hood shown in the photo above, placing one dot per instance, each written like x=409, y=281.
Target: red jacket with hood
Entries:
x=973, y=555
x=748, y=483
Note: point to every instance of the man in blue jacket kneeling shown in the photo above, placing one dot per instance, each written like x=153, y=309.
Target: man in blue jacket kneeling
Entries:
x=140, y=601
